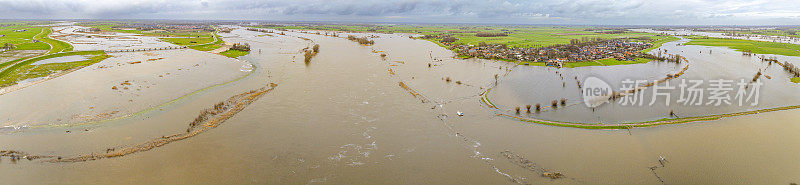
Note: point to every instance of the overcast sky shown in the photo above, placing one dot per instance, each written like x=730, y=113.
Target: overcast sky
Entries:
x=619, y=12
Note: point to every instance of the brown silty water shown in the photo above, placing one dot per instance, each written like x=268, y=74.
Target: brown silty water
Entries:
x=344, y=118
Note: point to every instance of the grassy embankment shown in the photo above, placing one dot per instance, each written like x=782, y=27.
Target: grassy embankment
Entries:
x=757, y=47
x=26, y=69
x=518, y=36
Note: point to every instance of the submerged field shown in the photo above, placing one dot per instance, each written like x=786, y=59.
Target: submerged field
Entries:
x=757, y=47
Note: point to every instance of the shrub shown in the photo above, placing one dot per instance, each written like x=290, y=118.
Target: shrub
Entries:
x=308, y=55
x=241, y=47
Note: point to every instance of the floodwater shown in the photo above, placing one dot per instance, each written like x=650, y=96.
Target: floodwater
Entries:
x=766, y=38
x=108, y=41
x=343, y=119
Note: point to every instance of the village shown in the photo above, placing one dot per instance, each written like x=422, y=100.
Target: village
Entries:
x=585, y=49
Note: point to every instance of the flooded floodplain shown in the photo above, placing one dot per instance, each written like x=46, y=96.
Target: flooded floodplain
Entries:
x=413, y=115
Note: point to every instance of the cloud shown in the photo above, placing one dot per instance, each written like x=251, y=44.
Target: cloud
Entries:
x=482, y=11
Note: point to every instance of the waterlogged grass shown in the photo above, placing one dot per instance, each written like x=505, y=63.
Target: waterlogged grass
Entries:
x=3, y=65
x=796, y=80
x=234, y=53
x=758, y=47
x=25, y=70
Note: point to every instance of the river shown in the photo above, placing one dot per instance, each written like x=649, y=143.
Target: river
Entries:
x=343, y=119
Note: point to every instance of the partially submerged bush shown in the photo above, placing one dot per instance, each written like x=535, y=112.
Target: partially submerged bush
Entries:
x=241, y=47
x=310, y=53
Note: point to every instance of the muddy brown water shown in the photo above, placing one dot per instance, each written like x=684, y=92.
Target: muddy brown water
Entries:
x=343, y=119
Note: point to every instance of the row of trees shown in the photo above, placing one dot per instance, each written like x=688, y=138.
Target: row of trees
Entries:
x=310, y=53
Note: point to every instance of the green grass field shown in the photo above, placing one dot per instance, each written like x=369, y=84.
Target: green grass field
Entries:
x=234, y=53
x=26, y=70
x=189, y=41
x=758, y=47
x=796, y=80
